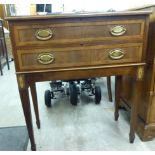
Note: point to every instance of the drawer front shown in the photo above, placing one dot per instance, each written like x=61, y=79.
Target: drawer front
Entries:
x=39, y=59
x=54, y=34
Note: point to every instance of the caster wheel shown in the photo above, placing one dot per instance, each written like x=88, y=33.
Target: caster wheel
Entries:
x=97, y=94
x=73, y=94
x=47, y=97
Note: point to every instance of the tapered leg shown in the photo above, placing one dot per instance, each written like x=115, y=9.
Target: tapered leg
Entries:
x=35, y=103
x=109, y=88
x=0, y=59
x=24, y=95
x=1, y=68
x=133, y=119
x=118, y=82
x=27, y=113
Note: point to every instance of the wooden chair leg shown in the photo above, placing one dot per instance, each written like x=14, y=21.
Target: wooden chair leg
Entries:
x=109, y=88
x=35, y=103
x=118, y=82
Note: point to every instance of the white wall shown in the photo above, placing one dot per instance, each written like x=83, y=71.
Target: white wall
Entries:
x=22, y=8
x=103, y=5
x=84, y=5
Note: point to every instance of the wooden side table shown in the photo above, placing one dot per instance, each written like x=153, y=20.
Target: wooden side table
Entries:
x=75, y=46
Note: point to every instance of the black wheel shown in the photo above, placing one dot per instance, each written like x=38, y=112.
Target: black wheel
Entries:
x=73, y=93
x=47, y=98
x=97, y=94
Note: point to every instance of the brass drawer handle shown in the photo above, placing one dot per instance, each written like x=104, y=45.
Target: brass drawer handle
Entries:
x=116, y=54
x=45, y=58
x=44, y=34
x=118, y=30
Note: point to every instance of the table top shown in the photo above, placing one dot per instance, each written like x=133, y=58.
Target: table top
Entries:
x=74, y=15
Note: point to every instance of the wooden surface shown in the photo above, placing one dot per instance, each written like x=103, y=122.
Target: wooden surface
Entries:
x=146, y=111
x=65, y=32
x=78, y=56
x=80, y=50
x=77, y=15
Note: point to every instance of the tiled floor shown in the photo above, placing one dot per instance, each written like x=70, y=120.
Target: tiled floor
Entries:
x=65, y=127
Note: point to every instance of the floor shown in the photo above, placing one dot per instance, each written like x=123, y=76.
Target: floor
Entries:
x=14, y=138
x=65, y=127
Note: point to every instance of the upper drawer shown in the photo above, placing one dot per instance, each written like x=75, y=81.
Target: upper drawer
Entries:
x=54, y=34
x=54, y=58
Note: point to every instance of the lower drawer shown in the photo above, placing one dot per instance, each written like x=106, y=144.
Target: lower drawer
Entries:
x=49, y=58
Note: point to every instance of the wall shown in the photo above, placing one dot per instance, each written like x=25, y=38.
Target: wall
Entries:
x=84, y=5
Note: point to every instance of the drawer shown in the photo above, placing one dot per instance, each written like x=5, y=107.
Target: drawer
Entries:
x=39, y=59
x=45, y=33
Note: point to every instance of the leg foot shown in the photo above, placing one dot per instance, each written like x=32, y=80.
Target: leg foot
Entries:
x=131, y=138
x=116, y=116
x=33, y=148
x=38, y=124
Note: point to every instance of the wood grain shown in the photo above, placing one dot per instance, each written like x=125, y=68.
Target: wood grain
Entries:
x=80, y=46
x=79, y=56
x=77, y=33
x=146, y=110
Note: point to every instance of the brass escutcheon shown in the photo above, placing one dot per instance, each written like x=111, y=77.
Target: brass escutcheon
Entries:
x=140, y=73
x=118, y=30
x=45, y=58
x=44, y=34
x=116, y=54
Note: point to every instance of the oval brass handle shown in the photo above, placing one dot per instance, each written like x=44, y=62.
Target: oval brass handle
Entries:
x=44, y=34
x=118, y=30
x=45, y=58
x=116, y=54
